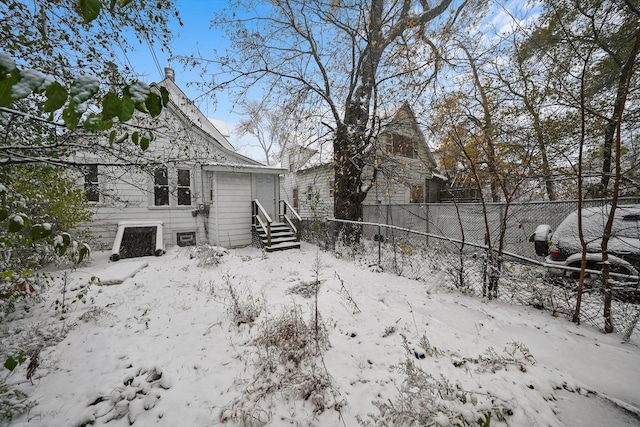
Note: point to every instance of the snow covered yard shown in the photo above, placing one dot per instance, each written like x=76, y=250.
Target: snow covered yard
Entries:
x=180, y=344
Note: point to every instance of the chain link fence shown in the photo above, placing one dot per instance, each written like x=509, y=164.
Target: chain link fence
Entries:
x=459, y=260
x=465, y=221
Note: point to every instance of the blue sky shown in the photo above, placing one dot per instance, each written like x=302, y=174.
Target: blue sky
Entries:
x=195, y=35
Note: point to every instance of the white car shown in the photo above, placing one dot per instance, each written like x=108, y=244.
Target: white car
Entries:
x=563, y=251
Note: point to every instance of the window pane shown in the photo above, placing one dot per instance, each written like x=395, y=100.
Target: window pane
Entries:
x=161, y=196
x=417, y=194
x=184, y=187
x=161, y=187
x=183, y=178
x=402, y=146
x=91, y=183
x=184, y=196
x=161, y=177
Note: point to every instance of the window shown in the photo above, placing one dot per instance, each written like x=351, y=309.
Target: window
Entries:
x=295, y=198
x=91, y=192
x=331, y=188
x=292, y=163
x=402, y=146
x=184, y=187
x=309, y=193
x=417, y=194
x=161, y=186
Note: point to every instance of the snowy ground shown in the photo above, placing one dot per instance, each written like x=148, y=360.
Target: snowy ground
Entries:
x=161, y=348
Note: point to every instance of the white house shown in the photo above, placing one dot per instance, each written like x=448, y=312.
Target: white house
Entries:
x=407, y=170
x=198, y=189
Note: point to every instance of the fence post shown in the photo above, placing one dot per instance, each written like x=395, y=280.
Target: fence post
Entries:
x=379, y=247
x=426, y=214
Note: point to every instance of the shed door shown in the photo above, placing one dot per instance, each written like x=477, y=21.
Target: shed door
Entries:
x=266, y=193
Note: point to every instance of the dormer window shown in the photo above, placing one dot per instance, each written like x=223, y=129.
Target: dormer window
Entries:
x=402, y=146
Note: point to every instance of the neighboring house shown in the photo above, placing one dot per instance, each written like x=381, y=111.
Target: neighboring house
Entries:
x=407, y=173
x=200, y=189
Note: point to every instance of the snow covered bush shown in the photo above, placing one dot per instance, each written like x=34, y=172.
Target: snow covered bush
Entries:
x=286, y=361
x=49, y=203
x=13, y=402
x=208, y=256
x=426, y=399
x=242, y=307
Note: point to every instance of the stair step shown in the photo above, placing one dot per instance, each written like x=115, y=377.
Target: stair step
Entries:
x=280, y=240
x=282, y=237
x=278, y=234
x=282, y=246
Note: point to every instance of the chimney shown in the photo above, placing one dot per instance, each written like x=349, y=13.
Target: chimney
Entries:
x=169, y=73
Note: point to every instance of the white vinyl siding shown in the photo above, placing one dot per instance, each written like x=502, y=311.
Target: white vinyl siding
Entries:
x=232, y=207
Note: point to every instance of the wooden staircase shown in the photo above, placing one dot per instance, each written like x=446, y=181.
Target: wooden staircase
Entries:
x=282, y=238
x=276, y=236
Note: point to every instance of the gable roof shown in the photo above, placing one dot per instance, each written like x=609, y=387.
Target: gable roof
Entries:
x=193, y=113
x=186, y=110
x=403, y=114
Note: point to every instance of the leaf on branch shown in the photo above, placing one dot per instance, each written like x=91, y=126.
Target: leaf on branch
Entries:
x=164, y=93
x=83, y=252
x=89, y=9
x=61, y=243
x=154, y=104
x=17, y=222
x=6, y=84
x=56, y=97
x=70, y=116
x=126, y=110
x=10, y=363
x=111, y=106
x=95, y=123
x=39, y=231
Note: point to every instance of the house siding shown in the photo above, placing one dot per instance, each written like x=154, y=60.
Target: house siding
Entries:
x=232, y=209
x=220, y=209
x=319, y=180
x=397, y=174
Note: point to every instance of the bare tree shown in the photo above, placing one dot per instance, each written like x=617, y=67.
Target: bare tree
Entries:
x=270, y=126
x=341, y=61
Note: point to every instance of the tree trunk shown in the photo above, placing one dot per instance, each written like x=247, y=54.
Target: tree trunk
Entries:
x=348, y=179
x=546, y=171
x=621, y=99
x=618, y=107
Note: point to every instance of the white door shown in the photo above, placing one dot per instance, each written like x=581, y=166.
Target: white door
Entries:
x=266, y=193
